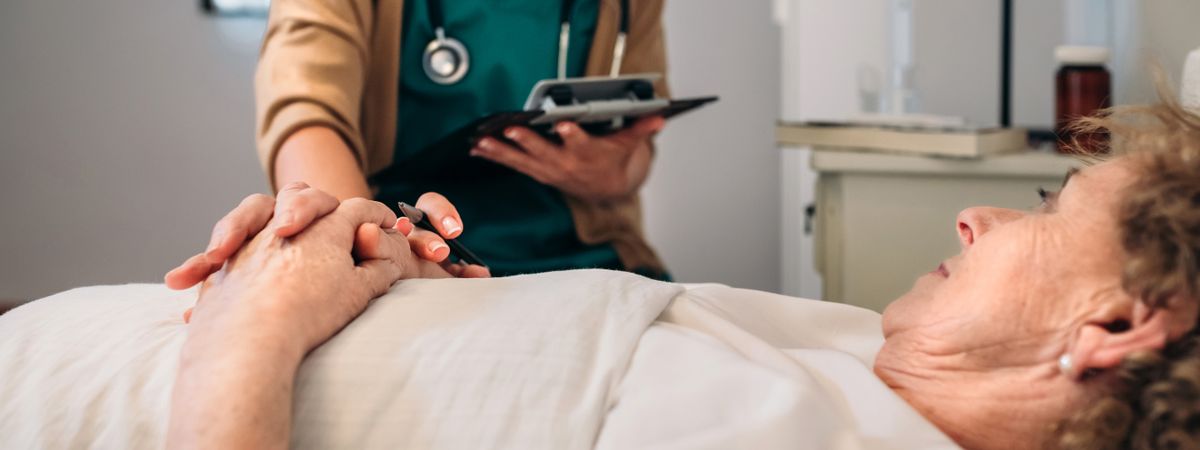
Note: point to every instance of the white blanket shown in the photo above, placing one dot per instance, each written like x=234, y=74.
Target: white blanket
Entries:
x=732, y=368
x=563, y=360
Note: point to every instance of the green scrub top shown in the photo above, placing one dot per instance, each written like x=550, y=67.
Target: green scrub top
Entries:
x=512, y=222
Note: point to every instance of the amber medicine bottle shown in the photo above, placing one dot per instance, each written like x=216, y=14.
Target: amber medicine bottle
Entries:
x=1083, y=86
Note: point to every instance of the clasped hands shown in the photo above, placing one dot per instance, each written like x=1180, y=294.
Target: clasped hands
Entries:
x=307, y=263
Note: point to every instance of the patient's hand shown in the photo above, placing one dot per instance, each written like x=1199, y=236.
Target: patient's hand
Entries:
x=297, y=207
x=315, y=282
x=276, y=300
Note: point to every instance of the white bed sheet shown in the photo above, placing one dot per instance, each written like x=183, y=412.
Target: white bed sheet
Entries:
x=525, y=362
x=731, y=368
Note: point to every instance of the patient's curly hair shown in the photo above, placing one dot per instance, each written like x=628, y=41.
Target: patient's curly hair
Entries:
x=1152, y=400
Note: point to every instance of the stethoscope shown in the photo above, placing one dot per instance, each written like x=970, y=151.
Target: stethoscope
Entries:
x=446, y=59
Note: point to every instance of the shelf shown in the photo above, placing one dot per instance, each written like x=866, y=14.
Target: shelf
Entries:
x=1030, y=164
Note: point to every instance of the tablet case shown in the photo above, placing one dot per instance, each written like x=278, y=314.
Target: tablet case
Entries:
x=453, y=149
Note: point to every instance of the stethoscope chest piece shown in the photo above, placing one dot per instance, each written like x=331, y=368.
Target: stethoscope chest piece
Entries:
x=445, y=60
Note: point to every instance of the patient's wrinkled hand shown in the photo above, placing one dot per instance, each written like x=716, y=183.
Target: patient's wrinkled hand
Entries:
x=298, y=206
x=275, y=300
x=295, y=208
x=311, y=284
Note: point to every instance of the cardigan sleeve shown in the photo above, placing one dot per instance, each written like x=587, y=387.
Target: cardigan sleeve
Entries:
x=312, y=70
x=646, y=48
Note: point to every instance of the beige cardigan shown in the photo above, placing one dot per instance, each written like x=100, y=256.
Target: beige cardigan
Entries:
x=336, y=63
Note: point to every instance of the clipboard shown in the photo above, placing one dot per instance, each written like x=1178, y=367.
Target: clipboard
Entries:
x=600, y=105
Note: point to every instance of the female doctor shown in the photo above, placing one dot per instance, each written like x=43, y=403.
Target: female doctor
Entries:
x=346, y=89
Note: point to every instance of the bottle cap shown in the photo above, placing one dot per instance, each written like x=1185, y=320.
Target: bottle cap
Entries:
x=1081, y=55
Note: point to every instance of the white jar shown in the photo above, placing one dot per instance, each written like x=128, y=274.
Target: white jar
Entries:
x=1190, y=88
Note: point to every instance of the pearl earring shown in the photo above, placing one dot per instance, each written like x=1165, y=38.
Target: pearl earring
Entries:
x=1065, y=364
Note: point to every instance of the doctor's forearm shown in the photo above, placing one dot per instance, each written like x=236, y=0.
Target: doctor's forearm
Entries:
x=318, y=156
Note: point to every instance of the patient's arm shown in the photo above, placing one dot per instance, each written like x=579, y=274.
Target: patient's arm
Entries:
x=234, y=388
x=275, y=300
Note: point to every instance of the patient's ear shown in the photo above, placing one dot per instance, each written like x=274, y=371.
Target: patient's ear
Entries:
x=1105, y=342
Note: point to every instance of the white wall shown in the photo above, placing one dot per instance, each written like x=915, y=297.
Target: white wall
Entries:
x=126, y=131
x=1167, y=33
x=957, y=58
x=958, y=50
x=712, y=200
x=1038, y=30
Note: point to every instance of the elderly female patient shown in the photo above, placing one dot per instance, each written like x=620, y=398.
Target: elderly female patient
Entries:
x=1071, y=325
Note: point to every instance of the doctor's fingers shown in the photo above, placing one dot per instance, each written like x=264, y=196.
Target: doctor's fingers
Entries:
x=428, y=246
x=442, y=214
x=534, y=144
x=242, y=223
x=191, y=272
x=228, y=235
x=460, y=270
x=298, y=205
x=508, y=156
x=573, y=136
x=643, y=129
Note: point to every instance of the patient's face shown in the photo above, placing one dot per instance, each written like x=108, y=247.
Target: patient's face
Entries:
x=1021, y=276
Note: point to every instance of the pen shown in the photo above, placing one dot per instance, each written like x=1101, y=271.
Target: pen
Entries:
x=420, y=219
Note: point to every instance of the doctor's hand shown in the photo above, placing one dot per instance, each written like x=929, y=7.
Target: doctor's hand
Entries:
x=595, y=168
